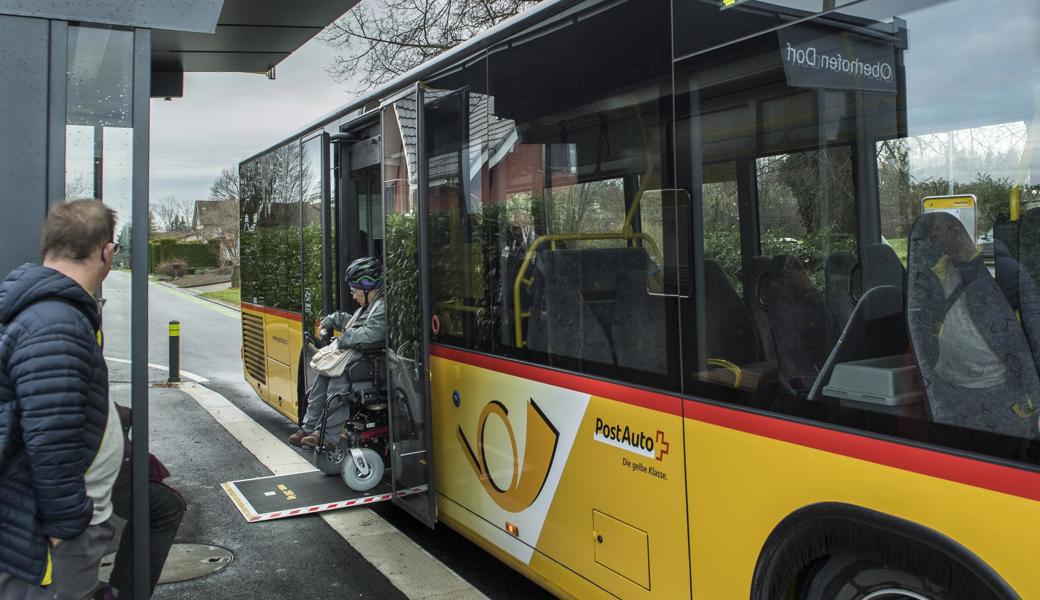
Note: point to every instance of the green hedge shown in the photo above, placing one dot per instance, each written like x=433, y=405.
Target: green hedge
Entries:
x=196, y=254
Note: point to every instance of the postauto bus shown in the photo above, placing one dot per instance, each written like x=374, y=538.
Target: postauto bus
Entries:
x=693, y=292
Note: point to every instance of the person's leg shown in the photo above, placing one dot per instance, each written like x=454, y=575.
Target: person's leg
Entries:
x=76, y=562
x=12, y=588
x=340, y=411
x=166, y=510
x=315, y=404
x=122, y=505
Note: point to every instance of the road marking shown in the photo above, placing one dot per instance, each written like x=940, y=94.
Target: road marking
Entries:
x=412, y=570
x=185, y=374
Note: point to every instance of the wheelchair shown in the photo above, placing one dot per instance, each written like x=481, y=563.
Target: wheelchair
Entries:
x=360, y=453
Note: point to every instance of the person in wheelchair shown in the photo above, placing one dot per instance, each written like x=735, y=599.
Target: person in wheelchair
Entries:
x=365, y=330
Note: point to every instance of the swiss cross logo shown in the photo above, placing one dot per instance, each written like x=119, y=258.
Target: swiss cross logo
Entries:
x=661, y=445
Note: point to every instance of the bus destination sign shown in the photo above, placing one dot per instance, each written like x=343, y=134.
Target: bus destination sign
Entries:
x=838, y=60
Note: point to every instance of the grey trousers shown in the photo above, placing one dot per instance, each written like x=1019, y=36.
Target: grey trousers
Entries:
x=12, y=588
x=76, y=562
x=321, y=391
x=75, y=565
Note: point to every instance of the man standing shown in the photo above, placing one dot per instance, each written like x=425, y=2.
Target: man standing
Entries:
x=60, y=440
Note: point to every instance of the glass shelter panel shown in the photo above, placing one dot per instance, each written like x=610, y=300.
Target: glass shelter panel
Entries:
x=869, y=194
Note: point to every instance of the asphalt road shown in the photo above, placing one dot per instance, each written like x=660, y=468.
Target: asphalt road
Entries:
x=297, y=558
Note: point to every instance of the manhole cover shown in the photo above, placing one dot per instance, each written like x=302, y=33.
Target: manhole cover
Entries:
x=186, y=561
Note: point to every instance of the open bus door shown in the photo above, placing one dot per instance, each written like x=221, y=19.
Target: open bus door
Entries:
x=316, y=264
x=406, y=287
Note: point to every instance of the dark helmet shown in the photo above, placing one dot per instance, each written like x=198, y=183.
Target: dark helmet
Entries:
x=365, y=273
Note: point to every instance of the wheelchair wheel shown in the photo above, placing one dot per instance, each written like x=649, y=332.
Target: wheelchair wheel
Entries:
x=355, y=480
x=329, y=462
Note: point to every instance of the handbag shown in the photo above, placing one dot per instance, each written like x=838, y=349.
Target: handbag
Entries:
x=331, y=360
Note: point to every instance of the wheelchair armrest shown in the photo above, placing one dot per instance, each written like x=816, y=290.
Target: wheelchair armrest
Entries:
x=371, y=349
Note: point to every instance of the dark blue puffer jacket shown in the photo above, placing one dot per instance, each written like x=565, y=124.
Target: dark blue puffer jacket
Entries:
x=53, y=412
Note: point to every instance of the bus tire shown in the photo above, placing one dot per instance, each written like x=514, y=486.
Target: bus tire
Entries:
x=355, y=480
x=834, y=551
x=851, y=576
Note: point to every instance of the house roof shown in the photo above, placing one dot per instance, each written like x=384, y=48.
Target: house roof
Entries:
x=209, y=212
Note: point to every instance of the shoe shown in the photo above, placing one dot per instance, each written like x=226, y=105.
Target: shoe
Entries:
x=104, y=593
x=309, y=440
x=296, y=438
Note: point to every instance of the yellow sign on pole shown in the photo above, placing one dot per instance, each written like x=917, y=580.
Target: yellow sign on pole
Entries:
x=961, y=206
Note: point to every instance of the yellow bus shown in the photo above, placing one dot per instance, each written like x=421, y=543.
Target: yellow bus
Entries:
x=694, y=292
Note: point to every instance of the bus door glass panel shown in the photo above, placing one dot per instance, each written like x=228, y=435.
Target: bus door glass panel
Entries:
x=457, y=263
x=407, y=313
x=315, y=260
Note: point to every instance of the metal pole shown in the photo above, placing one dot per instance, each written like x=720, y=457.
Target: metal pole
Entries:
x=140, y=516
x=175, y=352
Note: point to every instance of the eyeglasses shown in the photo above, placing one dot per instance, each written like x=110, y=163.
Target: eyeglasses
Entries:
x=116, y=248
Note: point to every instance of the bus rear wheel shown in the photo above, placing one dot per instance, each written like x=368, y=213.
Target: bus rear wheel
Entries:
x=848, y=576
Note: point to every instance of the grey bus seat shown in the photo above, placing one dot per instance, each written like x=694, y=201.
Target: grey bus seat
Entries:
x=638, y=325
x=561, y=323
x=837, y=276
x=573, y=313
x=876, y=328
x=881, y=266
x=730, y=332
x=753, y=274
x=972, y=354
x=797, y=323
x=1018, y=280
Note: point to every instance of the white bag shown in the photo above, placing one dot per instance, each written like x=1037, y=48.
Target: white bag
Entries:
x=330, y=361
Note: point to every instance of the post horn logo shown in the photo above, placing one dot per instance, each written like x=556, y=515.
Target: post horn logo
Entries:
x=530, y=471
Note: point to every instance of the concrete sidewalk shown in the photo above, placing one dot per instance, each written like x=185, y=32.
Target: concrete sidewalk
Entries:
x=275, y=560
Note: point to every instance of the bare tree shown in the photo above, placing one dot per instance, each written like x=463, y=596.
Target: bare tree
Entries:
x=382, y=40
x=222, y=218
x=173, y=213
x=78, y=187
x=225, y=186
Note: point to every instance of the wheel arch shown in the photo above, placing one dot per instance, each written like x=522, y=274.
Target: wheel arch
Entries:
x=811, y=532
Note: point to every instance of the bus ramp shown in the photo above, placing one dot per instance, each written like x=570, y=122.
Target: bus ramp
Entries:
x=296, y=494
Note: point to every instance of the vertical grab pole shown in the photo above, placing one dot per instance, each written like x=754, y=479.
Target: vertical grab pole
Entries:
x=175, y=352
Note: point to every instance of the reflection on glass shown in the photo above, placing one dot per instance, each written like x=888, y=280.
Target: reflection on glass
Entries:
x=99, y=164
x=407, y=371
x=313, y=254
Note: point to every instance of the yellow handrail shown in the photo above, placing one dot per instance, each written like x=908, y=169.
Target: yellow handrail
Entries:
x=565, y=237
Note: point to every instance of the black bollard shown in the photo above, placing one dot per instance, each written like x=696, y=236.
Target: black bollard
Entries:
x=175, y=352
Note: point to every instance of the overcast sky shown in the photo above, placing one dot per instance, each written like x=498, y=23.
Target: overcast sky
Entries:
x=226, y=117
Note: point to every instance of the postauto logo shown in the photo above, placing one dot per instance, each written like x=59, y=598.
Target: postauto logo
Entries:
x=624, y=437
x=529, y=471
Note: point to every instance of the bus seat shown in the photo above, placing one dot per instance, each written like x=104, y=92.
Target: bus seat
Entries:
x=837, y=275
x=881, y=266
x=638, y=327
x=562, y=322
x=876, y=328
x=1018, y=280
x=731, y=334
x=753, y=275
x=972, y=354
x=797, y=323
x=600, y=274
